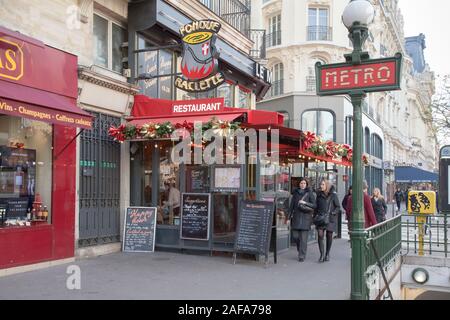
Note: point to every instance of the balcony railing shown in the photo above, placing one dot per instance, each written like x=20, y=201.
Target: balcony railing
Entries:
x=235, y=12
x=276, y=89
x=319, y=33
x=273, y=39
x=258, y=37
x=311, y=84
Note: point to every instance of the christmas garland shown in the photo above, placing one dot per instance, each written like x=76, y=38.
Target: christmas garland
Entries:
x=316, y=145
x=165, y=130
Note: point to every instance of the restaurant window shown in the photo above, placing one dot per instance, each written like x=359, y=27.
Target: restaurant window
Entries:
x=169, y=198
x=320, y=122
x=244, y=98
x=108, y=40
x=154, y=65
x=25, y=172
x=226, y=91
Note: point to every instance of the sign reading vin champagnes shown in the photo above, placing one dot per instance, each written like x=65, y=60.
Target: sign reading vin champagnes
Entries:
x=254, y=227
x=139, y=230
x=195, y=213
x=369, y=76
x=200, y=57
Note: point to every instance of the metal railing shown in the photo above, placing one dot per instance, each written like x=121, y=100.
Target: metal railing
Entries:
x=258, y=51
x=311, y=84
x=319, y=33
x=428, y=239
x=273, y=39
x=387, y=240
x=276, y=89
x=235, y=12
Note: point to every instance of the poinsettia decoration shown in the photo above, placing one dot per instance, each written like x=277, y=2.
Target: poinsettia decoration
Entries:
x=317, y=146
x=165, y=130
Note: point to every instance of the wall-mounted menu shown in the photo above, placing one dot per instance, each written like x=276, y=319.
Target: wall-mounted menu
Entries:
x=139, y=230
x=227, y=179
x=197, y=179
x=254, y=227
x=195, y=213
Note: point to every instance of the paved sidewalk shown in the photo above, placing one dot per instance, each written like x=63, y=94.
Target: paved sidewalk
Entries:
x=174, y=276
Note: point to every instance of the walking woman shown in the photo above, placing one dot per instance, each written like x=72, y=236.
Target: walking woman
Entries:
x=303, y=205
x=327, y=205
x=379, y=205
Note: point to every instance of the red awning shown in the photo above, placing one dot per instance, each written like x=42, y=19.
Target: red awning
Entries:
x=229, y=116
x=22, y=101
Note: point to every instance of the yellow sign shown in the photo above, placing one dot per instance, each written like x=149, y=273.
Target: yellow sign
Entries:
x=11, y=60
x=422, y=202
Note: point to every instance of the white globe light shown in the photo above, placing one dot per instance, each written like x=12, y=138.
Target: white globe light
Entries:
x=360, y=11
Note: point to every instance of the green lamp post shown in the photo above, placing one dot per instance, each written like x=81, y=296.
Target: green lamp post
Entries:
x=356, y=17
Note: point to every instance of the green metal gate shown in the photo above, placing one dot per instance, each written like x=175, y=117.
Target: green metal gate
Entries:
x=99, y=218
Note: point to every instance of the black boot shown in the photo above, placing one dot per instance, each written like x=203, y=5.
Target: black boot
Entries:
x=329, y=243
x=321, y=259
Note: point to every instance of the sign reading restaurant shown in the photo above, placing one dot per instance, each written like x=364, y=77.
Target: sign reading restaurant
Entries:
x=369, y=76
x=198, y=106
x=200, y=57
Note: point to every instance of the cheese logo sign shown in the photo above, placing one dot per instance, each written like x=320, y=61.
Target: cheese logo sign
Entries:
x=11, y=60
x=199, y=62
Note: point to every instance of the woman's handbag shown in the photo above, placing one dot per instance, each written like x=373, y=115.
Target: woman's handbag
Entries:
x=304, y=207
x=322, y=219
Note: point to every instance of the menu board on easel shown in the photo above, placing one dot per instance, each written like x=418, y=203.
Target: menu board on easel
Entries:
x=254, y=228
x=139, y=229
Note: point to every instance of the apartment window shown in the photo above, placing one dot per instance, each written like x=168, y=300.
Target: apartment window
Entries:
x=367, y=141
x=278, y=80
x=318, y=24
x=320, y=122
x=377, y=146
x=108, y=39
x=311, y=78
x=274, y=34
x=244, y=98
x=157, y=64
x=226, y=91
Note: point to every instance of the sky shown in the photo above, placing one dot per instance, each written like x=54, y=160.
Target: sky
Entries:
x=432, y=18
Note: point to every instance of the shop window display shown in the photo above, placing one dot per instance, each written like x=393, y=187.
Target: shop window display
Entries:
x=169, y=199
x=25, y=172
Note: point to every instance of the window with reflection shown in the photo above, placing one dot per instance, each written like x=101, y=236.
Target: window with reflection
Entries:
x=320, y=122
x=244, y=98
x=25, y=172
x=226, y=91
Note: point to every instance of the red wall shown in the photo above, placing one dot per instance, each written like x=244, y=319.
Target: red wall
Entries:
x=28, y=245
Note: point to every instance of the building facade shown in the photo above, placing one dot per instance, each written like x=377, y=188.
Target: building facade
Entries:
x=397, y=125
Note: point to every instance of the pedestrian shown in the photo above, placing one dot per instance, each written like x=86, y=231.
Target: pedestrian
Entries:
x=303, y=205
x=369, y=215
x=328, y=208
x=398, y=195
x=344, y=206
x=379, y=205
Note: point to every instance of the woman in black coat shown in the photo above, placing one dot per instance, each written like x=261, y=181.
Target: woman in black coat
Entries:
x=301, y=212
x=327, y=202
x=379, y=205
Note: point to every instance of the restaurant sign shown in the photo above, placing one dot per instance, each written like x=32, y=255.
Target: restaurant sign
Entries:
x=199, y=65
x=373, y=75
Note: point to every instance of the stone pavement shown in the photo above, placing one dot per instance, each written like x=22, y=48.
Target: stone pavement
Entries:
x=175, y=276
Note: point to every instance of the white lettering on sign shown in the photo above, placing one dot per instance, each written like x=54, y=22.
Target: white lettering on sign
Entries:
x=200, y=107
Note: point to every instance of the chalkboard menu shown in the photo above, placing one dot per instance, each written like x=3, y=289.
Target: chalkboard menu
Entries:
x=197, y=179
x=139, y=230
x=254, y=227
x=195, y=212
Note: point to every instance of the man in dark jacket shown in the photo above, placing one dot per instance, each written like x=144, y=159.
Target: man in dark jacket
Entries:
x=398, y=195
x=303, y=205
x=369, y=215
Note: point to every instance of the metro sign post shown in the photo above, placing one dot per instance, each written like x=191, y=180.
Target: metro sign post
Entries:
x=356, y=77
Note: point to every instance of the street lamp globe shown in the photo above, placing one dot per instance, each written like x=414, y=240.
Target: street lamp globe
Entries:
x=361, y=11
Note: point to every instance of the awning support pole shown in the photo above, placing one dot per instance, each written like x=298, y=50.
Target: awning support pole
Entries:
x=68, y=144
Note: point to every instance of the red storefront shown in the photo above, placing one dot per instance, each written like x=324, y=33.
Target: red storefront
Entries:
x=39, y=118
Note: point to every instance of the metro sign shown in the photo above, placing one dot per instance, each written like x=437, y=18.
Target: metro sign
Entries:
x=370, y=76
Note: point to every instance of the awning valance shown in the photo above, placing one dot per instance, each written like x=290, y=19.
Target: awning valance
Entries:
x=414, y=175
x=35, y=104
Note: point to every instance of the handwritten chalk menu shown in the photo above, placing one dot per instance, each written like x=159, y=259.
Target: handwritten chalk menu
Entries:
x=139, y=230
x=195, y=212
x=198, y=179
x=254, y=227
